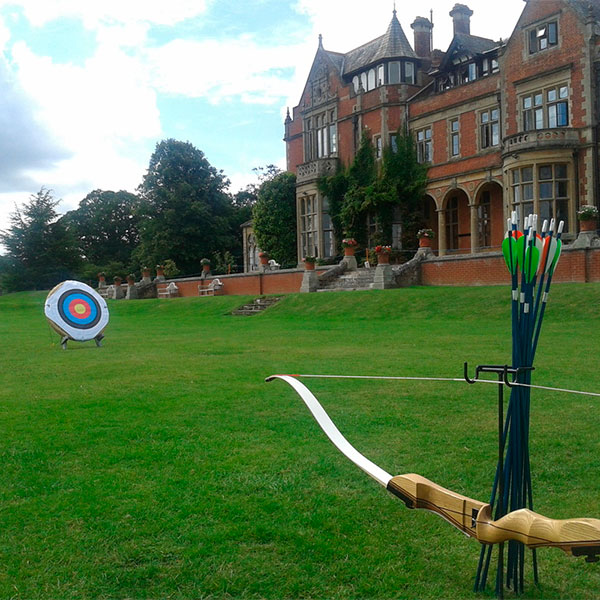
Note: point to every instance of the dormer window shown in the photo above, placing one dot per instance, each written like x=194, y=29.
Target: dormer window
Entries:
x=543, y=37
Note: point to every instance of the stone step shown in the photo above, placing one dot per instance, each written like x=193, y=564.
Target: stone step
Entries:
x=257, y=306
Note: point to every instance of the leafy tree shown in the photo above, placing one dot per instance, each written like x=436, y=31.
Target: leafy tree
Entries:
x=106, y=225
x=186, y=213
x=41, y=251
x=274, y=216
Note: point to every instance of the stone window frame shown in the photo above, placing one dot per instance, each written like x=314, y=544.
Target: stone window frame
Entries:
x=308, y=212
x=320, y=134
x=526, y=182
x=424, y=144
x=454, y=137
x=486, y=122
x=542, y=36
x=539, y=108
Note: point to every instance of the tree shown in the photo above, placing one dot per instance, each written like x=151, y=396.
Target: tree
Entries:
x=185, y=212
x=106, y=225
x=274, y=217
x=41, y=251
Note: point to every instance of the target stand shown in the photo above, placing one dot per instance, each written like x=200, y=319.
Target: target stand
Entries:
x=76, y=312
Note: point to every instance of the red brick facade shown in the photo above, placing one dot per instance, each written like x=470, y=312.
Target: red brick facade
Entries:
x=503, y=125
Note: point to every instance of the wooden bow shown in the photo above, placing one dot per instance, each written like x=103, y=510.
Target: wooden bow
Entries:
x=578, y=537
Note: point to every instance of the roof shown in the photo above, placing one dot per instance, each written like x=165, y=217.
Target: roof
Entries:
x=392, y=44
x=586, y=7
x=464, y=44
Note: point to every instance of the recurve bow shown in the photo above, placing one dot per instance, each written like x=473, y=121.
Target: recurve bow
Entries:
x=579, y=537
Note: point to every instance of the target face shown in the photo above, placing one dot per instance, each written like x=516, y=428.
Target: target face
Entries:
x=76, y=310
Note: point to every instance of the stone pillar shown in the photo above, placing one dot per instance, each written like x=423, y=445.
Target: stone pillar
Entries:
x=310, y=281
x=384, y=278
x=145, y=276
x=474, y=229
x=117, y=292
x=131, y=289
x=441, y=232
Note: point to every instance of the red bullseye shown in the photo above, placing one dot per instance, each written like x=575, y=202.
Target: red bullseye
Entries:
x=79, y=309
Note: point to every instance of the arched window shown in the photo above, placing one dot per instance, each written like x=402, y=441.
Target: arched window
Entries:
x=371, y=79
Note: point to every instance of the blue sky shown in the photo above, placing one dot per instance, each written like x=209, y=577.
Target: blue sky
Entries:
x=88, y=87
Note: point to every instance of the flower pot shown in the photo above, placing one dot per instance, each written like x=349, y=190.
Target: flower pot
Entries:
x=383, y=258
x=309, y=266
x=588, y=225
x=349, y=251
x=264, y=260
x=206, y=268
x=424, y=242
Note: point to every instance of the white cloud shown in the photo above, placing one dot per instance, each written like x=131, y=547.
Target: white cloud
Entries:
x=94, y=12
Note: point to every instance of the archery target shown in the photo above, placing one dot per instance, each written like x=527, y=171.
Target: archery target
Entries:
x=76, y=310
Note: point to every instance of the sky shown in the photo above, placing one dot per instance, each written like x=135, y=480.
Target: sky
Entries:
x=89, y=87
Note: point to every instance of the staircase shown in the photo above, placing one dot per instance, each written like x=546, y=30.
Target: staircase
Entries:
x=361, y=279
x=257, y=306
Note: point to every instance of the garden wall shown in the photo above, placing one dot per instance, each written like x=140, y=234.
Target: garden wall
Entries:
x=575, y=266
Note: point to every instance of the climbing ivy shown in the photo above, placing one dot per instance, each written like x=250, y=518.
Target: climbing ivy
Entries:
x=364, y=189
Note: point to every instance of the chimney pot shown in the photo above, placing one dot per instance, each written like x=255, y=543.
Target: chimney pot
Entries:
x=461, y=17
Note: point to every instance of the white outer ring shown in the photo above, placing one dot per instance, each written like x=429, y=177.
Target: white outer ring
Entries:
x=52, y=314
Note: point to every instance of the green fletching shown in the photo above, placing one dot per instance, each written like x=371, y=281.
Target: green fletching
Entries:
x=532, y=260
x=509, y=249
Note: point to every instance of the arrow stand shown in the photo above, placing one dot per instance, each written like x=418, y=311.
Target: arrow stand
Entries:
x=512, y=483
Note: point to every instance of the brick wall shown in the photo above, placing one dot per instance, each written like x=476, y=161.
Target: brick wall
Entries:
x=575, y=266
x=252, y=284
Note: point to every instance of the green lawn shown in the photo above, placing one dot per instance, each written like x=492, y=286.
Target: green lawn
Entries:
x=162, y=465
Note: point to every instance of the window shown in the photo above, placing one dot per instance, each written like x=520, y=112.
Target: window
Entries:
x=394, y=142
x=409, y=72
x=380, y=75
x=484, y=220
x=320, y=136
x=522, y=192
x=452, y=224
x=309, y=226
x=328, y=247
x=378, y=147
x=454, y=137
x=371, y=80
x=489, y=128
x=553, y=195
x=543, y=37
x=546, y=109
x=543, y=189
x=424, y=147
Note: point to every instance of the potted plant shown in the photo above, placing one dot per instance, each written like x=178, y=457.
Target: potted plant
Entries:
x=383, y=254
x=349, y=245
x=425, y=236
x=309, y=262
x=205, y=262
x=264, y=258
x=588, y=216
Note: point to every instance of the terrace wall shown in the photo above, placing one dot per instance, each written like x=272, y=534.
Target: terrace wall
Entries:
x=575, y=266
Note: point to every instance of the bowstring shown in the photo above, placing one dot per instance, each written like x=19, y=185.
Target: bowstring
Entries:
x=451, y=379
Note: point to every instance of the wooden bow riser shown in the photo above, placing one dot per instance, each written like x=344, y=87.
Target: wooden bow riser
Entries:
x=578, y=537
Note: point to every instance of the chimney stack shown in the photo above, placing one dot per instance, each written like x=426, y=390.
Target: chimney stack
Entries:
x=422, y=28
x=461, y=17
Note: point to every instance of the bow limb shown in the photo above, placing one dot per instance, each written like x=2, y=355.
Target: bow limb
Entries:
x=579, y=537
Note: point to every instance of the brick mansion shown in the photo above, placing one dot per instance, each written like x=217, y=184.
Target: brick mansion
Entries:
x=502, y=125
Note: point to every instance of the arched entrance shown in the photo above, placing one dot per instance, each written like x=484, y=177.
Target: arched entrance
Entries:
x=489, y=217
x=430, y=219
x=457, y=222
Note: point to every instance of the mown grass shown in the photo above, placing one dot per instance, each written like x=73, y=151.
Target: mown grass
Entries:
x=162, y=465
